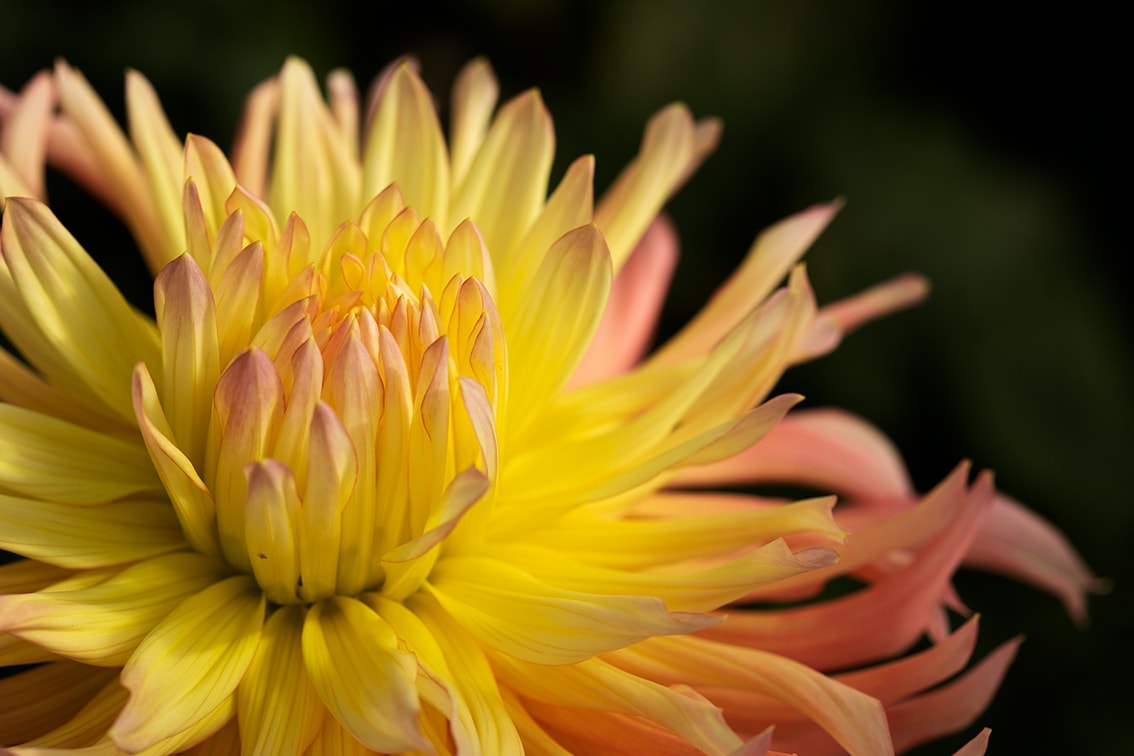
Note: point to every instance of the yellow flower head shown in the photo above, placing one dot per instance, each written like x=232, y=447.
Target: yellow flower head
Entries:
x=386, y=473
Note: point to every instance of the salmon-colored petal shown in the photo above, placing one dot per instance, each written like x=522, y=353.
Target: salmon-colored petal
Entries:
x=953, y=706
x=977, y=746
x=24, y=138
x=1017, y=542
x=852, y=718
x=840, y=318
x=826, y=449
x=115, y=162
x=36, y=701
x=876, y=622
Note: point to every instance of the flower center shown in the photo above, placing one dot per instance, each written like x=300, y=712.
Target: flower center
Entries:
x=355, y=429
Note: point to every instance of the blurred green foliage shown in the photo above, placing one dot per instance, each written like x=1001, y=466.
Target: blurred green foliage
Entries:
x=987, y=151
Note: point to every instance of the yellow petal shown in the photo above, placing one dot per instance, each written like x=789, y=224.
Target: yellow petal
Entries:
x=190, y=664
x=20, y=385
x=54, y=276
x=248, y=406
x=52, y=459
x=11, y=183
x=506, y=608
x=364, y=679
x=331, y=475
x=667, y=528
x=191, y=499
x=114, y=615
x=355, y=391
x=772, y=255
x=279, y=711
x=254, y=137
x=560, y=313
x=186, y=318
x=668, y=153
x=697, y=589
x=595, y=684
x=161, y=157
x=28, y=575
x=271, y=516
x=314, y=173
x=14, y=651
x=467, y=671
x=82, y=537
x=409, y=564
x=334, y=740
x=474, y=96
x=238, y=295
x=507, y=181
x=570, y=206
x=209, y=170
x=854, y=719
x=404, y=144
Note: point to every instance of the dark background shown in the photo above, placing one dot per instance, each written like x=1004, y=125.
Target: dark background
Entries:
x=986, y=149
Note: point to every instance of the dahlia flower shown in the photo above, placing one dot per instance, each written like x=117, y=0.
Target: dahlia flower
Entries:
x=393, y=469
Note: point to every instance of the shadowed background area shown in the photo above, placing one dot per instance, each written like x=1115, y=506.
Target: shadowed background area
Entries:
x=987, y=152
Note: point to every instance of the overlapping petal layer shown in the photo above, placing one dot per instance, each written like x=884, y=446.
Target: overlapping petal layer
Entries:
x=392, y=471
